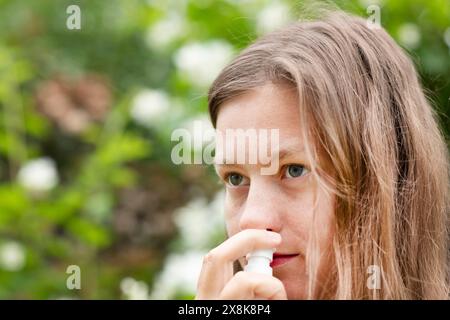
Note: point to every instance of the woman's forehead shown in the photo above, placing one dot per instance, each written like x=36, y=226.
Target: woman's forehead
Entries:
x=269, y=106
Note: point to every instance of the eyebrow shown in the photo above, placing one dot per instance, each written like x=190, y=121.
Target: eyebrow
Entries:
x=287, y=149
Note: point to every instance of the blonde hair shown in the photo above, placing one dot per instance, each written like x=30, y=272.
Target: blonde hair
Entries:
x=362, y=105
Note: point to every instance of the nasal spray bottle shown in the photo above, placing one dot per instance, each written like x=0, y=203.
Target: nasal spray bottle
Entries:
x=259, y=261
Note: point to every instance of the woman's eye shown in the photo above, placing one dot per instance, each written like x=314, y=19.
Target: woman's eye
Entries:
x=236, y=180
x=295, y=171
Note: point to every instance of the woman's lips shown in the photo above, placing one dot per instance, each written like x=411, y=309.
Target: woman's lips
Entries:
x=279, y=259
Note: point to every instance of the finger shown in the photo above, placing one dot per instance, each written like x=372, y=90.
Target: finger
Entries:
x=251, y=285
x=217, y=267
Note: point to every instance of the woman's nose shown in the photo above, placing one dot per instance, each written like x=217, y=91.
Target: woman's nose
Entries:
x=262, y=209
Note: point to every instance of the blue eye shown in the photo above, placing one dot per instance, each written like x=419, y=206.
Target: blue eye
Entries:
x=295, y=171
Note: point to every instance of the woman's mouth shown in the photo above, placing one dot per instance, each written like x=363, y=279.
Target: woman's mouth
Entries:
x=279, y=259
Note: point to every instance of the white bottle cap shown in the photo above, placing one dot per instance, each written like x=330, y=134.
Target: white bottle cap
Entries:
x=259, y=261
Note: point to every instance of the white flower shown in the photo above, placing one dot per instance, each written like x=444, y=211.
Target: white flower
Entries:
x=199, y=221
x=409, y=35
x=179, y=275
x=272, y=17
x=202, y=62
x=12, y=256
x=166, y=31
x=38, y=175
x=133, y=289
x=149, y=107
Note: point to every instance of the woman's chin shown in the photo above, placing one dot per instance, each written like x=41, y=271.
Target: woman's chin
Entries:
x=295, y=290
x=296, y=285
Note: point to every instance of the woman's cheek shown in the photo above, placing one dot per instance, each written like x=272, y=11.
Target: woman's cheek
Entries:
x=233, y=205
x=235, y=198
x=300, y=190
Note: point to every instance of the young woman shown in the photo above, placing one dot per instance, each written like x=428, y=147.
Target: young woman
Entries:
x=359, y=205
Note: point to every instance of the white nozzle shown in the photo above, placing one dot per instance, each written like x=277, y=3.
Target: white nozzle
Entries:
x=259, y=261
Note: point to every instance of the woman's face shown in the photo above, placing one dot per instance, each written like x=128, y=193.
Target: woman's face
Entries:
x=282, y=202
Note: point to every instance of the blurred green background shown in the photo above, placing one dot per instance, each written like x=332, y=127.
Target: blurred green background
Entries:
x=86, y=117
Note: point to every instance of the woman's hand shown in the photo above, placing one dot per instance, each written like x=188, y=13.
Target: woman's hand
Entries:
x=216, y=280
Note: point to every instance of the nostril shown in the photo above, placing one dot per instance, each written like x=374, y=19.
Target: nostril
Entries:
x=269, y=229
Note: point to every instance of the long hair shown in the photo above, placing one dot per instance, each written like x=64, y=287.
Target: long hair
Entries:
x=362, y=105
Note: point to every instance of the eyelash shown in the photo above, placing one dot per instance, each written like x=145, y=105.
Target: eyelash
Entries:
x=283, y=170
